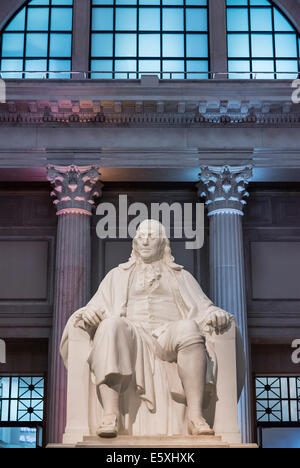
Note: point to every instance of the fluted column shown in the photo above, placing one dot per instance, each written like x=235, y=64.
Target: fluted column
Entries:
x=74, y=189
x=224, y=189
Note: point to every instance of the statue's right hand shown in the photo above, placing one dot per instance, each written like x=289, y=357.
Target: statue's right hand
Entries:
x=90, y=317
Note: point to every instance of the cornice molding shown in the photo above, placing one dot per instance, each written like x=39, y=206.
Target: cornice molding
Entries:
x=137, y=103
x=253, y=118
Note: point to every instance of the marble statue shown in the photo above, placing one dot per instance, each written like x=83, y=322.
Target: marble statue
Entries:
x=150, y=354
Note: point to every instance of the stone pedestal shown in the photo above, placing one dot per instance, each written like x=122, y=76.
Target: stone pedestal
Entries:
x=154, y=442
x=159, y=442
x=224, y=189
x=74, y=190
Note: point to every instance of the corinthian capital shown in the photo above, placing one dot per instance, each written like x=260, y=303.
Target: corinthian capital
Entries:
x=224, y=188
x=74, y=188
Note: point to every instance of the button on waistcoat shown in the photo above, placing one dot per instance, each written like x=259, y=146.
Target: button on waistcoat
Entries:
x=150, y=299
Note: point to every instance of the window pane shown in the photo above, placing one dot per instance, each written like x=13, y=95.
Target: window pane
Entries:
x=102, y=66
x=173, y=66
x=261, y=19
x=196, y=2
x=59, y=65
x=196, y=45
x=60, y=45
x=149, y=19
x=36, y=45
x=13, y=414
x=125, y=66
x=293, y=391
x=149, y=45
x=172, y=2
x=18, y=22
x=125, y=45
x=173, y=45
x=40, y=2
x=196, y=19
x=149, y=2
x=238, y=45
x=237, y=2
x=126, y=19
x=102, y=19
x=126, y=2
x=288, y=66
x=149, y=67
x=38, y=19
x=14, y=391
x=4, y=410
x=237, y=19
x=263, y=66
x=103, y=2
x=280, y=22
x=239, y=66
x=260, y=3
x=62, y=2
x=172, y=19
x=102, y=45
x=34, y=66
x=197, y=66
x=12, y=45
x=61, y=19
x=262, y=45
x=286, y=45
x=11, y=65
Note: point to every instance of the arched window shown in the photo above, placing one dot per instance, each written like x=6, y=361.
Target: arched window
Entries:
x=261, y=40
x=167, y=37
x=38, y=39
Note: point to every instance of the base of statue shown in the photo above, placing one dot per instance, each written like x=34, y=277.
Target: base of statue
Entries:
x=172, y=442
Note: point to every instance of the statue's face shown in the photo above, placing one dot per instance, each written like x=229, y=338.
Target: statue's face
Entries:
x=149, y=243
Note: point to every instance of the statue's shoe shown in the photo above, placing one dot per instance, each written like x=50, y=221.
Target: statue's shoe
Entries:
x=199, y=427
x=109, y=426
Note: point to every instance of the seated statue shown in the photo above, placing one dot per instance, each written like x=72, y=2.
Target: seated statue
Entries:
x=149, y=325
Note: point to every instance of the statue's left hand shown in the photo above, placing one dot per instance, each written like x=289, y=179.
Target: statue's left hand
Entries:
x=219, y=320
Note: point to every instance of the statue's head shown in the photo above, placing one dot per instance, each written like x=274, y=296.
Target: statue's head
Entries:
x=150, y=243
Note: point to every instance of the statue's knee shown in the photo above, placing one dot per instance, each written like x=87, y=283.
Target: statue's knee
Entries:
x=113, y=325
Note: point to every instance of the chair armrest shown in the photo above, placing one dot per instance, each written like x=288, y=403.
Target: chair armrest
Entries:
x=75, y=349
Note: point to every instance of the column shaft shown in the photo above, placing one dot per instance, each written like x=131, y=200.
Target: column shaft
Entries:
x=227, y=288
x=72, y=291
